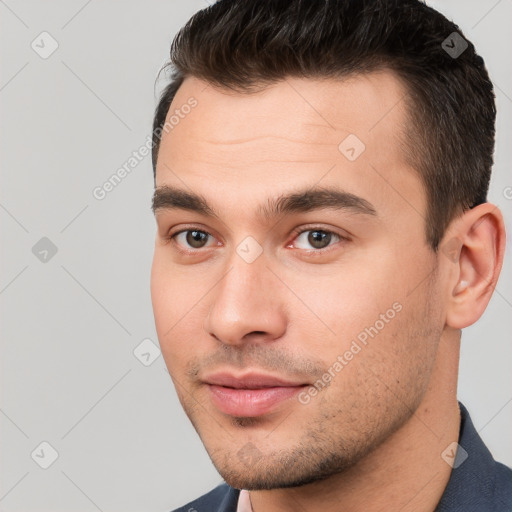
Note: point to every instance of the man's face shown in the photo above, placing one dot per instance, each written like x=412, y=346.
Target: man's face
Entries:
x=299, y=333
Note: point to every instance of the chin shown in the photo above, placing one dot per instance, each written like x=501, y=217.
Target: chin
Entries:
x=279, y=471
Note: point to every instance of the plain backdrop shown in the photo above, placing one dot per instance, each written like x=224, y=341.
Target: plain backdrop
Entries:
x=74, y=280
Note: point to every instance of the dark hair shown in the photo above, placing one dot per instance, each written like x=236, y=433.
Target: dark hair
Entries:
x=245, y=45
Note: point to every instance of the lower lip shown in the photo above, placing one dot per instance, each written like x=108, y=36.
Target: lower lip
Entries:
x=250, y=402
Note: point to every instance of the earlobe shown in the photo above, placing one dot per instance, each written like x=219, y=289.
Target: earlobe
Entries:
x=475, y=270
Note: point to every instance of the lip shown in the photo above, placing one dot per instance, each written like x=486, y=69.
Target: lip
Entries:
x=251, y=394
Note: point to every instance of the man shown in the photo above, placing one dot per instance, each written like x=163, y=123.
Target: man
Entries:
x=323, y=235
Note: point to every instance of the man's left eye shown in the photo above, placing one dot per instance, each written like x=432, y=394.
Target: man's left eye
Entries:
x=316, y=238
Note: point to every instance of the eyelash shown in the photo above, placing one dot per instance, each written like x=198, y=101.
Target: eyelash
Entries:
x=296, y=233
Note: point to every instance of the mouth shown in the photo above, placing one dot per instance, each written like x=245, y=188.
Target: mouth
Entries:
x=250, y=395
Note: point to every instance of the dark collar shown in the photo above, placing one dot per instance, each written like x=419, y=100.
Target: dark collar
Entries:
x=479, y=483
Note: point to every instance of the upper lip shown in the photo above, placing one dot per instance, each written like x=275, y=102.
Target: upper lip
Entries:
x=249, y=381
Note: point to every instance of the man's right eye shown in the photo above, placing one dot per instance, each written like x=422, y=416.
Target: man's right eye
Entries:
x=190, y=238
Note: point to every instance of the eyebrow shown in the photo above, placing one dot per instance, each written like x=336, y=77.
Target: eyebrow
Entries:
x=170, y=198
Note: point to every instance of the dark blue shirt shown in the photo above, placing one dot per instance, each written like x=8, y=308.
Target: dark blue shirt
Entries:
x=478, y=484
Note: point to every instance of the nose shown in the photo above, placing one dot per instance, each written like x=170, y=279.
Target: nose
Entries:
x=246, y=305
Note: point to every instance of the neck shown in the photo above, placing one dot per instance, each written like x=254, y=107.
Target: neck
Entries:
x=406, y=472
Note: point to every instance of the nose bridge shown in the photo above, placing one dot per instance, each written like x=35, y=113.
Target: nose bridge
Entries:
x=244, y=302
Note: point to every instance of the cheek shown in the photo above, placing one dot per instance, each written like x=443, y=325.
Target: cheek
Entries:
x=161, y=293
x=173, y=293
x=344, y=304
x=170, y=306
x=365, y=325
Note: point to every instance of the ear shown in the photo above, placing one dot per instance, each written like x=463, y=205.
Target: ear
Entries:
x=474, y=247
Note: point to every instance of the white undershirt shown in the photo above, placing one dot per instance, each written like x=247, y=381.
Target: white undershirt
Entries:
x=244, y=503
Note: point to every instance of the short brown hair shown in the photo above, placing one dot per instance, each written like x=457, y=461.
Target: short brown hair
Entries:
x=244, y=45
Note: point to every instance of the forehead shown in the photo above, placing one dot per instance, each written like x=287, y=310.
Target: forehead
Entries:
x=295, y=132
x=299, y=109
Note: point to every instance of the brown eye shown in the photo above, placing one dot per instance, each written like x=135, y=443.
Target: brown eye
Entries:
x=315, y=239
x=196, y=239
x=191, y=238
x=319, y=239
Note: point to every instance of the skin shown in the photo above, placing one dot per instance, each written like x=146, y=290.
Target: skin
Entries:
x=374, y=436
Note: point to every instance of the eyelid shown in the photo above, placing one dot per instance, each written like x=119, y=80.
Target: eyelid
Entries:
x=319, y=227
x=188, y=227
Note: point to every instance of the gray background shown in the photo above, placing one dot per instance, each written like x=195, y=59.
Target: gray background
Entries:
x=70, y=324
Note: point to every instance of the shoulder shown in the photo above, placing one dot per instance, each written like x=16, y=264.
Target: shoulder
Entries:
x=221, y=499
x=503, y=485
x=477, y=482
